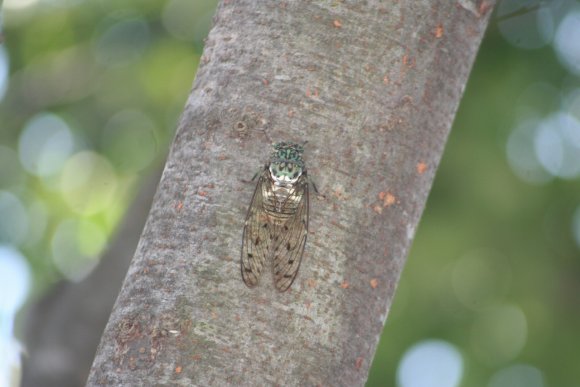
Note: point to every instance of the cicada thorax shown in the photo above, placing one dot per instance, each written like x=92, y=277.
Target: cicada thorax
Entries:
x=280, y=203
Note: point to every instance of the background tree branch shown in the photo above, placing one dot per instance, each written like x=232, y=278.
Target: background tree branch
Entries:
x=374, y=88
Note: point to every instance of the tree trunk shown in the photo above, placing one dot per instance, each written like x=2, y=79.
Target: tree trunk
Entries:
x=373, y=87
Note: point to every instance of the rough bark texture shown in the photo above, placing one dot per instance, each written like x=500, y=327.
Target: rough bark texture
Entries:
x=373, y=86
x=63, y=329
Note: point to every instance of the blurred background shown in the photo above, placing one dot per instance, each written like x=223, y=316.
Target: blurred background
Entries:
x=91, y=92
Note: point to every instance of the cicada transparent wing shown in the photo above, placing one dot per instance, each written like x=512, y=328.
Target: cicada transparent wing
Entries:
x=276, y=225
x=289, y=246
x=257, y=235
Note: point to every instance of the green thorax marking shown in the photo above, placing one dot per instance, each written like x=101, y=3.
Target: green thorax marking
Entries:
x=286, y=164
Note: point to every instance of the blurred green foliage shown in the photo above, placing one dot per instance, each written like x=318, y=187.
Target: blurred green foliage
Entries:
x=109, y=80
x=494, y=268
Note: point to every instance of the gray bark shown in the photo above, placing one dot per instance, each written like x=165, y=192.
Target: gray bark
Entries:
x=373, y=86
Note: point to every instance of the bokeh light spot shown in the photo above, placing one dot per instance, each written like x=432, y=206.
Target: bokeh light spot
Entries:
x=519, y=375
x=19, y=4
x=499, y=334
x=572, y=103
x=45, y=144
x=178, y=16
x=15, y=280
x=15, y=284
x=72, y=252
x=10, y=361
x=549, y=149
x=130, y=140
x=431, y=363
x=91, y=238
x=123, y=42
x=88, y=183
x=478, y=280
x=13, y=219
x=538, y=100
x=557, y=145
x=567, y=41
x=525, y=24
x=521, y=154
x=58, y=78
x=4, y=71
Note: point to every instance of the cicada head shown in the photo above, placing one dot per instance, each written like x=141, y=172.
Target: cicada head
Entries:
x=286, y=164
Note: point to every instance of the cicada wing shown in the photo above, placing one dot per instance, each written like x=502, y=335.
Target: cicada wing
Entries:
x=289, y=248
x=256, y=235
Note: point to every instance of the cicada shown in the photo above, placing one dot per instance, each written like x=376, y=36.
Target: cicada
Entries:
x=276, y=224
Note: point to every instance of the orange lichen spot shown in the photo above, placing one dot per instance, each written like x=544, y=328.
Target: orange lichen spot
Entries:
x=336, y=23
x=438, y=31
x=408, y=61
x=344, y=284
x=484, y=7
x=374, y=283
x=337, y=193
x=386, y=80
x=202, y=193
x=389, y=199
x=386, y=199
x=421, y=168
x=178, y=369
x=358, y=362
x=179, y=206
